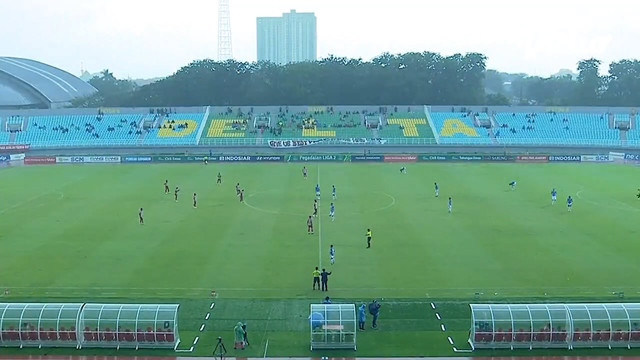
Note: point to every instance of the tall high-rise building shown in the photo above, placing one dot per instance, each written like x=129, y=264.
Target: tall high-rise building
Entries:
x=287, y=39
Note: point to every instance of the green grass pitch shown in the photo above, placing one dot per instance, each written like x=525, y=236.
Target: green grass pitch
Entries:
x=72, y=233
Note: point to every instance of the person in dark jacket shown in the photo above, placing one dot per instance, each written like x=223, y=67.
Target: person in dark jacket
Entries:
x=324, y=279
x=374, y=310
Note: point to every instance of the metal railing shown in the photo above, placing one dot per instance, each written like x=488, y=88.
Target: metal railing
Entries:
x=258, y=142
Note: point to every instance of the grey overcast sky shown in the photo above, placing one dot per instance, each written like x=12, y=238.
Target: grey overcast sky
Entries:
x=143, y=39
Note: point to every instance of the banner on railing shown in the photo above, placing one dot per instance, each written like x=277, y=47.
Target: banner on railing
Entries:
x=314, y=158
x=362, y=141
x=87, y=159
x=39, y=160
x=564, y=158
x=289, y=144
x=594, y=158
x=4, y=158
x=11, y=147
x=16, y=157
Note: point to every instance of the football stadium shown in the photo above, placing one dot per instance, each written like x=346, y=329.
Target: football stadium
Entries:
x=313, y=231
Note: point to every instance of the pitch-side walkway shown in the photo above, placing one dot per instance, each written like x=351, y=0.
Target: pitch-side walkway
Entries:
x=60, y=357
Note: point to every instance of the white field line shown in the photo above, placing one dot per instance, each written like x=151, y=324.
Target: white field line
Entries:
x=266, y=346
x=319, y=229
x=173, y=291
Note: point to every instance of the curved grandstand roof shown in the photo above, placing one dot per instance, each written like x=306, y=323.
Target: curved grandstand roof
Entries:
x=25, y=82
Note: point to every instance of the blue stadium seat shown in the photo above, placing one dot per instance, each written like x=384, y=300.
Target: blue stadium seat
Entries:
x=181, y=129
x=458, y=128
x=555, y=128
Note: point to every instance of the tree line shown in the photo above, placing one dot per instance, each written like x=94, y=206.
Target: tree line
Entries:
x=408, y=79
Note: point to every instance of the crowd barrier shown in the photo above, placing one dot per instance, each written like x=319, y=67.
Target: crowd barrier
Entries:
x=389, y=158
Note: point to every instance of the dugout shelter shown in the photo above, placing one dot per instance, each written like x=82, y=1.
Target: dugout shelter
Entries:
x=333, y=326
x=89, y=325
x=568, y=326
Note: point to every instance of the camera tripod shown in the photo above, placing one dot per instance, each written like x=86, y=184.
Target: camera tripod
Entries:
x=220, y=350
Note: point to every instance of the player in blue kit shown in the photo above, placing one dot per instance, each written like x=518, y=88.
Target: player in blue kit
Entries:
x=332, y=254
x=437, y=189
x=332, y=212
x=569, y=203
x=450, y=204
x=513, y=185
x=553, y=196
x=333, y=191
x=318, y=191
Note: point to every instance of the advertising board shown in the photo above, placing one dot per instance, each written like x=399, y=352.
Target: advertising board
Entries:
x=400, y=158
x=466, y=158
x=39, y=160
x=136, y=159
x=87, y=159
x=564, y=158
x=309, y=158
x=434, y=158
x=532, y=158
x=595, y=158
x=362, y=158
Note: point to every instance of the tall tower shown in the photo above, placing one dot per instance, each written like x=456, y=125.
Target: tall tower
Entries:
x=224, y=31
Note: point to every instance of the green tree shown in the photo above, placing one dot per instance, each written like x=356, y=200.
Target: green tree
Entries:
x=589, y=82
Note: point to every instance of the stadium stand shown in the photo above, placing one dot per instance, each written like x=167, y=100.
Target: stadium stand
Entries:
x=555, y=128
x=223, y=126
x=407, y=124
x=81, y=130
x=458, y=128
x=105, y=129
x=180, y=128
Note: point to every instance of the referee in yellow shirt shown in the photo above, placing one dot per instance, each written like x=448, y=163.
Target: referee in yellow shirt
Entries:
x=368, y=238
x=316, y=278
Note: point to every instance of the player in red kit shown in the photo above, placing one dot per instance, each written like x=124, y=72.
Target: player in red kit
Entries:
x=310, y=225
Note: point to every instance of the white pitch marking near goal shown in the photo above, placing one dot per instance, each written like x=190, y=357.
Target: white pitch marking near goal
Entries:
x=207, y=317
x=450, y=340
x=201, y=327
x=442, y=327
x=438, y=316
x=195, y=341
